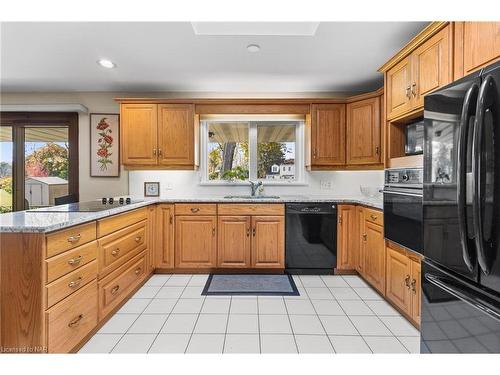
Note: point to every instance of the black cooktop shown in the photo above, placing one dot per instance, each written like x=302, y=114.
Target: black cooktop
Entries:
x=91, y=206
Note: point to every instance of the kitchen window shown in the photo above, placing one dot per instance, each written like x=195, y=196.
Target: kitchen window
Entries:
x=236, y=149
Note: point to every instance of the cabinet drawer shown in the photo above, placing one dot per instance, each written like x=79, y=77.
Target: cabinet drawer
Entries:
x=195, y=209
x=71, y=260
x=70, y=283
x=71, y=320
x=251, y=209
x=374, y=216
x=116, y=248
x=117, y=222
x=115, y=287
x=70, y=238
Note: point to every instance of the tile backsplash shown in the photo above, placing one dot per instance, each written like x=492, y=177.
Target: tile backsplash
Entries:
x=187, y=183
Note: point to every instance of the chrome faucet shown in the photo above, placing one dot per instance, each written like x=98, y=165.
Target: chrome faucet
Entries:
x=254, y=186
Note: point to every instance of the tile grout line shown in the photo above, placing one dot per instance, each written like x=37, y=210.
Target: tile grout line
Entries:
x=227, y=324
x=196, y=321
x=291, y=326
x=258, y=324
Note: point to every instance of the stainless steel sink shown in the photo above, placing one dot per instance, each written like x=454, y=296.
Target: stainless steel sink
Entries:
x=252, y=197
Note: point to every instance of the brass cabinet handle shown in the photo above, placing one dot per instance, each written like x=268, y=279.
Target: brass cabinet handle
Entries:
x=414, y=286
x=407, y=281
x=154, y=151
x=213, y=231
x=365, y=237
x=115, y=289
x=374, y=217
x=340, y=219
x=138, y=238
x=74, y=322
x=75, y=238
x=377, y=150
x=159, y=152
x=314, y=154
x=138, y=270
x=414, y=89
x=194, y=209
x=248, y=232
x=254, y=230
x=408, y=93
x=75, y=283
x=75, y=261
x=171, y=219
x=115, y=252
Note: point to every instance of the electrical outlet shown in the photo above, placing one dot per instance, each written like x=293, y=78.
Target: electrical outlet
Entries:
x=326, y=185
x=167, y=186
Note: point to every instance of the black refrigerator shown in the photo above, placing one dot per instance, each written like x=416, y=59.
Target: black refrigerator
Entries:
x=461, y=216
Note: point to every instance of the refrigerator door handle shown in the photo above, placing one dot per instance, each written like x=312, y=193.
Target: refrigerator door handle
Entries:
x=467, y=109
x=464, y=295
x=477, y=195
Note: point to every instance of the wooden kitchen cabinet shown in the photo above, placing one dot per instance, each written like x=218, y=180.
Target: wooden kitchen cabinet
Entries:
x=164, y=243
x=328, y=134
x=363, y=132
x=233, y=249
x=374, y=255
x=347, y=247
x=428, y=66
x=195, y=241
x=176, y=135
x=138, y=127
x=477, y=44
x=268, y=242
x=359, y=243
x=398, y=279
x=415, y=286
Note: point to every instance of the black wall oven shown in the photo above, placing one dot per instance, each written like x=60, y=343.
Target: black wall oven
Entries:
x=403, y=207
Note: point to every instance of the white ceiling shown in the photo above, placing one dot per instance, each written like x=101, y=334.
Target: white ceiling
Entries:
x=169, y=56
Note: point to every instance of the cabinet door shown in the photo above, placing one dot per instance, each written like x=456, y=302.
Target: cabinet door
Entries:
x=481, y=45
x=431, y=66
x=360, y=217
x=346, y=237
x=195, y=241
x=398, y=88
x=328, y=134
x=164, y=254
x=398, y=279
x=234, y=241
x=375, y=256
x=176, y=135
x=138, y=125
x=151, y=237
x=268, y=242
x=416, y=289
x=363, y=132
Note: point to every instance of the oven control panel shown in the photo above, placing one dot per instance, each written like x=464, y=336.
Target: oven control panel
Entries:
x=406, y=176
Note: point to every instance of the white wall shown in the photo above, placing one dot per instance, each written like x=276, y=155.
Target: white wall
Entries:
x=182, y=182
x=186, y=183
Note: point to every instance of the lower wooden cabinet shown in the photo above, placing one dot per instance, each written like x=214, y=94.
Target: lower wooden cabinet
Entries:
x=347, y=243
x=359, y=243
x=268, y=242
x=403, y=280
x=374, y=255
x=164, y=237
x=195, y=241
x=233, y=249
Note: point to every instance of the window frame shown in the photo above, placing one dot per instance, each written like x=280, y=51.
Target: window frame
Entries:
x=21, y=120
x=300, y=175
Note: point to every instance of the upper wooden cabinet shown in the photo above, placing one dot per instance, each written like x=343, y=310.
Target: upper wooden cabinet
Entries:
x=363, y=132
x=176, y=134
x=158, y=134
x=477, y=44
x=138, y=134
x=268, y=242
x=421, y=68
x=327, y=134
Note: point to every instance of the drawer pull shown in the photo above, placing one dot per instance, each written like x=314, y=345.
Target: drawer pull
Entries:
x=75, y=321
x=414, y=286
x=75, y=283
x=73, y=239
x=195, y=209
x=374, y=217
x=75, y=261
x=138, y=238
x=407, y=281
x=115, y=252
x=365, y=237
x=138, y=271
x=115, y=289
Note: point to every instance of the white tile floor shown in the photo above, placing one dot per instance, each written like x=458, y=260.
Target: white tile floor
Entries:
x=333, y=314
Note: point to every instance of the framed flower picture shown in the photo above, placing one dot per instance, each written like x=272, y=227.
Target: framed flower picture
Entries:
x=104, y=145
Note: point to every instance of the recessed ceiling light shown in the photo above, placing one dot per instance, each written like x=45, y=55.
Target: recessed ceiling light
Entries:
x=253, y=48
x=105, y=63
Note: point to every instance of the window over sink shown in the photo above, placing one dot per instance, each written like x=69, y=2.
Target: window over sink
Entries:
x=235, y=149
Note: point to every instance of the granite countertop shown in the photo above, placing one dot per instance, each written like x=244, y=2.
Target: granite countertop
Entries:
x=41, y=222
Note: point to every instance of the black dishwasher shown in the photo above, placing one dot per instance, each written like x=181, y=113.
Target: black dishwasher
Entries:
x=311, y=238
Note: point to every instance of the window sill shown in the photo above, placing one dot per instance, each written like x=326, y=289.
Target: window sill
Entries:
x=246, y=183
